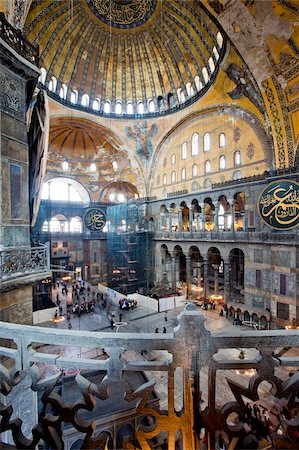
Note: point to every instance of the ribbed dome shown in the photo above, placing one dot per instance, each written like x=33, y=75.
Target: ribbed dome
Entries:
x=144, y=55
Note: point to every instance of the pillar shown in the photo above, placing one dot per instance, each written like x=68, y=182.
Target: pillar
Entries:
x=216, y=280
x=203, y=219
x=205, y=279
x=180, y=219
x=216, y=225
x=173, y=269
x=232, y=213
x=188, y=275
x=226, y=282
x=190, y=218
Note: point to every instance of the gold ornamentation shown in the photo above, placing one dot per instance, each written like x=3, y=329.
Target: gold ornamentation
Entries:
x=278, y=204
x=123, y=12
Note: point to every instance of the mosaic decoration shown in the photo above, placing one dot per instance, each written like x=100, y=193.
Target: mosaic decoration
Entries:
x=123, y=14
x=250, y=150
x=277, y=122
x=141, y=134
x=237, y=134
x=95, y=219
x=278, y=204
x=244, y=87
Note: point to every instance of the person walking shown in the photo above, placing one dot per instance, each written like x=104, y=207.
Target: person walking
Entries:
x=157, y=330
x=164, y=329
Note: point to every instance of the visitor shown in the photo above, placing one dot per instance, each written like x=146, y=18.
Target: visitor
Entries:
x=164, y=329
x=69, y=326
x=157, y=330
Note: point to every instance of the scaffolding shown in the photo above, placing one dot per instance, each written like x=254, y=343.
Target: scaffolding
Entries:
x=128, y=249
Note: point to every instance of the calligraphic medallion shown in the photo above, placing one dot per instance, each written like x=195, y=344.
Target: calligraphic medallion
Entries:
x=278, y=204
x=95, y=219
x=123, y=13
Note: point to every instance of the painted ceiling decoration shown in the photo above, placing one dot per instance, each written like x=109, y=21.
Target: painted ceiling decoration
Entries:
x=123, y=13
x=127, y=51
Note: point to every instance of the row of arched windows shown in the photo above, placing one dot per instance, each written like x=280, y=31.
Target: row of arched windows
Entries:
x=142, y=107
x=60, y=224
x=195, y=145
x=207, y=168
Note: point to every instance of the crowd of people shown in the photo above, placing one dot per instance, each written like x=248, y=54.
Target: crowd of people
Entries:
x=127, y=304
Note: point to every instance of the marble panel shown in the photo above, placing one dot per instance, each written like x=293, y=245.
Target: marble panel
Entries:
x=14, y=149
x=258, y=255
x=12, y=94
x=16, y=236
x=250, y=278
x=281, y=258
x=275, y=282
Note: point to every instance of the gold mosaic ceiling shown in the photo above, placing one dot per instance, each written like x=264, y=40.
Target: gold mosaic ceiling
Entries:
x=125, y=50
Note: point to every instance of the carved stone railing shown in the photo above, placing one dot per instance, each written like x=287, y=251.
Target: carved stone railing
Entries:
x=193, y=379
x=19, y=262
x=18, y=42
x=242, y=236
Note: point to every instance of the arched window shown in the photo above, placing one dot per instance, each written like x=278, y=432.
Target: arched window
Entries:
x=164, y=179
x=85, y=100
x=43, y=75
x=140, y=108
x=107, y=107
x=170, y=99
x=215, y=51
x=181, y=95
x=118, y=108
x=205, y=74
x=65, y=190
x=207, y=142
x=173, y=158
x=160, y=103
x=189, y=89
x=76, y=225
x=130, y=109
x=96, y=104
x=54, y=225
x=184, y=150
x=208, y=166
x=52, y=84
x=151, y=105
x=63, y=91
x=194, y=170
x=211, y=64
x=183, y=174
x=74, y=97
x=222, y=140
x=173, y=176
x=222, y=162
x=194, y=144
x=198, y=83
x=237, y=158
x=45, y=226
x=219, y=39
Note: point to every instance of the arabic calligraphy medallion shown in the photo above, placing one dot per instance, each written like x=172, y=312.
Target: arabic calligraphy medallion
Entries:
x=95, y=219
x=278, y=204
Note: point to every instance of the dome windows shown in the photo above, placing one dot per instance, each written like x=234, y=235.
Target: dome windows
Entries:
x=96, y=104
x=52, y=84
x=222, y=162
x=74, y=97
x=183, y=174
x=43, y=75
x=194, y=170
x=173, y=159
x=208, y=166
x=205, y=75
x=63, y=91
x=222, y=140
x=219, y=39
x=237, y=158
x=151, y=106
x=140, y=108
x=198, y=83
x=184, y=150
x=118, y=108
x=107, y=107
x=211, y=64
x=130, y=109
x=189, y=89
x=207, y=142
x=173, y=176
x=85, y=100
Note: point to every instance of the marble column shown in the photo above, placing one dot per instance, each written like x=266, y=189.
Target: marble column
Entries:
x=216, y=280
x=190, y=218
x=206, y=279
x=188, y=275
x=226, y=282
x=216, y=224
x=232, y=213
x=180, y=220
x=173, y=270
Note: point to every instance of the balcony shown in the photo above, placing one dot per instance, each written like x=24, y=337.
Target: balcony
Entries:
x=18, y=42
x=226, y=236
x=23, y=265
x=104, y=369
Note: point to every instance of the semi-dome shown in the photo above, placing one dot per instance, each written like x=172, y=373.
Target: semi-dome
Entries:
x=126, y=56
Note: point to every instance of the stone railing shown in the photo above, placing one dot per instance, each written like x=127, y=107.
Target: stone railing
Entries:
x=19, y=262
x=18, y=42
x=242, y=236
x=92, y=389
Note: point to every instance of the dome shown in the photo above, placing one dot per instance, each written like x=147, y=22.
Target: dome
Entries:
x=126, y=56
